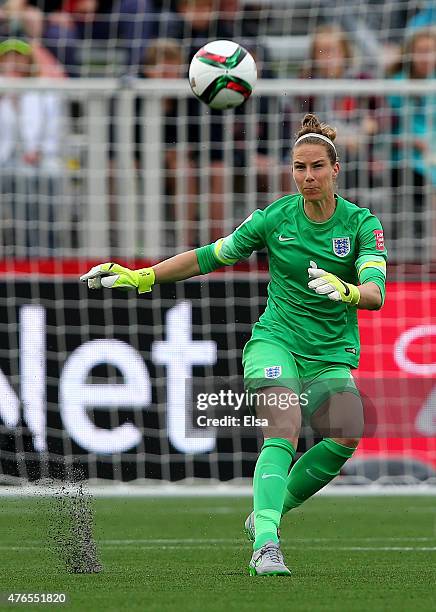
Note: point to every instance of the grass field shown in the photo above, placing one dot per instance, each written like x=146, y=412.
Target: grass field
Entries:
x=189, y=554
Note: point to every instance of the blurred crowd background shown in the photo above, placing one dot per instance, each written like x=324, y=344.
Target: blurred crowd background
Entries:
x=206, y=170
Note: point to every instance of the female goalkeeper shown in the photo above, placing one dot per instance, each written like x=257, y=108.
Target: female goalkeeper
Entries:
x=326, y=259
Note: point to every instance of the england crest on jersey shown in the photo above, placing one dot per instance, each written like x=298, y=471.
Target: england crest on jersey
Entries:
x=341, y=246
x=273, y=372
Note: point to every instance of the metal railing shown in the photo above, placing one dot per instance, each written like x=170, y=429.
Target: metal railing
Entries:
x=144, y=177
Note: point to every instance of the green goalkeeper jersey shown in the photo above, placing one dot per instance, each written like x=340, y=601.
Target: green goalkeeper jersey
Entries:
x=350, y=244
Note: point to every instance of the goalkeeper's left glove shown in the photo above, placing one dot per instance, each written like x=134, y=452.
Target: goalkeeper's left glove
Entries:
x=333, y=287
x=114, y=276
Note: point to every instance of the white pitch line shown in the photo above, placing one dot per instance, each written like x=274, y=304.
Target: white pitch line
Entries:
x=216, y=490
x=212, y=511
x=181, y=541
x=202, y=546
x=157, y=541
x=340, y=548
x=385, y=548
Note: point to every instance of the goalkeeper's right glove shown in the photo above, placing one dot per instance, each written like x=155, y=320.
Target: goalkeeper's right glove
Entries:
x=114, y=276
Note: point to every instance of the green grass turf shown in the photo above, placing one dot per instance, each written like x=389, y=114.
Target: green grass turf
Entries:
x=189, y=554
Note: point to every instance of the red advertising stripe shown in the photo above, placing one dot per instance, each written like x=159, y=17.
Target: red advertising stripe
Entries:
x=400, y=339
x=422, y=450
x=398, y=375
x=56, y=267
x=76, y=267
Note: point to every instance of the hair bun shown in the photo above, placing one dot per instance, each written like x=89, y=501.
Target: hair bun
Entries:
x=311, y=123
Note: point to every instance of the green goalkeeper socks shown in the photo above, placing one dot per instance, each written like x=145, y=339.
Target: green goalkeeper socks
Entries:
x=276, y=492
x=313, y=470
x=269, y=487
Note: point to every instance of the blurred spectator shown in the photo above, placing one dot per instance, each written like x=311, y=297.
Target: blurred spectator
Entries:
x=46, y=6
x=65, y=28
x=196, y=139
x=331, y=54
x=375, y=26
x=30, y=124
x=254, y=20
x=196, y=23
x=137, y=25
x=230, y=13
x=18, y=18
x=241, y=25
x=123, y=26
x=424, y=18
x=48, y=65
x=242, y=20
x=267, y=156
x=414, y=129
x=164, y=59
x=25, y=19
x=331, y=57
x=207, y=20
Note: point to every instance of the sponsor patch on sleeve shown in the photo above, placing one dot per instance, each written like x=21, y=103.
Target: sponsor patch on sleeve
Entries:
x=379, y=240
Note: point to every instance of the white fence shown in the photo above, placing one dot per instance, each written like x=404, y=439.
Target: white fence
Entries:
x=146, y=171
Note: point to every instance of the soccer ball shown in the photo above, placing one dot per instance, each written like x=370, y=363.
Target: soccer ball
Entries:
x=222, y=74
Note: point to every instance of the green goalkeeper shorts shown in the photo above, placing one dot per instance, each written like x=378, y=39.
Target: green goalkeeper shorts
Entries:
x=269, y=364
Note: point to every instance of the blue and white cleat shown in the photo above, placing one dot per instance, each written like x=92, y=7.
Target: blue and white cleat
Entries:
x=268, y=561
x=250, y=530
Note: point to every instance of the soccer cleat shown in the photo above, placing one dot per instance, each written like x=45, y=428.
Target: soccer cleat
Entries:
x=249, y=528
x=268, y=561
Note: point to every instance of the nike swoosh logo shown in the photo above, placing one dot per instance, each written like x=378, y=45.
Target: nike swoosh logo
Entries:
x=272, y=475
x=308, y=471
x=284, y=239
x=346, y=288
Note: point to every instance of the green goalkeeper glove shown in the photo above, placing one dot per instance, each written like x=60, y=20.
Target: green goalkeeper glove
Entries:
x=114, y=276
x=333, y=287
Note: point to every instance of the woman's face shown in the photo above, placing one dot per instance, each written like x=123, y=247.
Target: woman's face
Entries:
x=329, y=55
x=313, y=172
x=423, y=57
x=198, y=13
x=85, y=6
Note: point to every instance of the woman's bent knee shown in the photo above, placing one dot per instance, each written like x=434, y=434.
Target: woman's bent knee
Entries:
x=350, y=442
